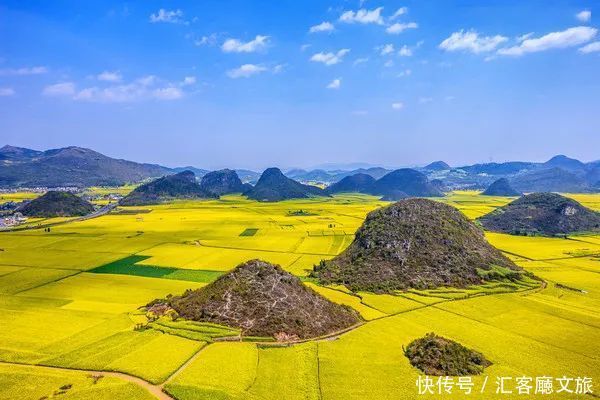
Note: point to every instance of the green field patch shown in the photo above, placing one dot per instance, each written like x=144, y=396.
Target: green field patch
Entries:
x=249, y=232
x=128, y=266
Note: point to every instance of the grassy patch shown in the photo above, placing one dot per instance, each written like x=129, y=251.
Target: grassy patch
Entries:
x=128, y=266
x=249, y=232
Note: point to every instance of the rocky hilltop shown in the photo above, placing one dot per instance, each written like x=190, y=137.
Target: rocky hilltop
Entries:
x=263, y=300
x=56, y=204
x=501, y=187
x=274, y=186
x=178, y=186
x=222, y=182
x=542, y=214
x=416, y=243
x=355, y=183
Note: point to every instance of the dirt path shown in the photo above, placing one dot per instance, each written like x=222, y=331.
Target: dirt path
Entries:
x=155, y=390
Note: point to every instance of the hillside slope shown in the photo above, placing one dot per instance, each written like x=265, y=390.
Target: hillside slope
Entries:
x=416, y=243
x=274, y=186
x=542, y=214
x=263, y=300
x=179, y=186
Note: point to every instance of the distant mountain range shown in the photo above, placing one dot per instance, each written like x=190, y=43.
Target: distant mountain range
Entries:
x=80, y=167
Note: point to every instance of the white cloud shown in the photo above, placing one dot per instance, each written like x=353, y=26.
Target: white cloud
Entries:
x=24, y=71
x=5, y=92
x=188, y=81
x=385, y=49
x=399, y=12
x=554, y=40
x=322, y=27
x=169, y=16
x=590, y=48
x=147, y=80
x=472, y=42
x=305, y=46
x=246, y=71
x=167, y=93
x=425, y=100
x=108, y=76
x=363, y=16
x=584, y=16
x=406, y=72
x=398, y=105
x=388, y=64
x=260, y=42
x=405, y=51
x=60, y=89
x=207, y=40
x=144, y=88
x=360, y=61
x=335, y=84
x=401, y=27
x=524, y=37
x=330, y=58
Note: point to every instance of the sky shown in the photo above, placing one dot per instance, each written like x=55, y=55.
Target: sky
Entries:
x=289, y=83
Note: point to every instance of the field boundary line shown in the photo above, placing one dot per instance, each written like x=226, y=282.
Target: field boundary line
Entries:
x=154, y=390
x=46, y=283
x=183, y=366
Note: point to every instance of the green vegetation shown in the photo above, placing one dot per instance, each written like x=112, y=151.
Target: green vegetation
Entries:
x=435, y=355
x=129, y=266
x=182, y=185
x=249, y=232
x=419, y=244
x=542, y=214
x=56, y=204
x=261, y=299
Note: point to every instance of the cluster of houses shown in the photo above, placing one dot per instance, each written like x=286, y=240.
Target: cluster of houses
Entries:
x=12, y=220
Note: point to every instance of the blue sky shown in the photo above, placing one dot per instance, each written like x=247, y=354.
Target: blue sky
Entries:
x=300, y=83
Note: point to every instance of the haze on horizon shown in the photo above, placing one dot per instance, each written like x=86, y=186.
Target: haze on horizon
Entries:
x=299, y=85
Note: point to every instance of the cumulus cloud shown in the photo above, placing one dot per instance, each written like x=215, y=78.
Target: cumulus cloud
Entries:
x=330, y=58
x=60, y=89
x=471, y=41
x=246, y=71
x=322, y=27
x=386, y=49
x=24, y=71
x=590, y=48
x=398, y=105
x=5, y=92
x=168, y=16
x=363, y=16
x=401, y=27
x=554, y=40
x=108, y=76
x=335, y=84
x=405, y=51
x=260, y=42
x=399, y=12
x=584, y=16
